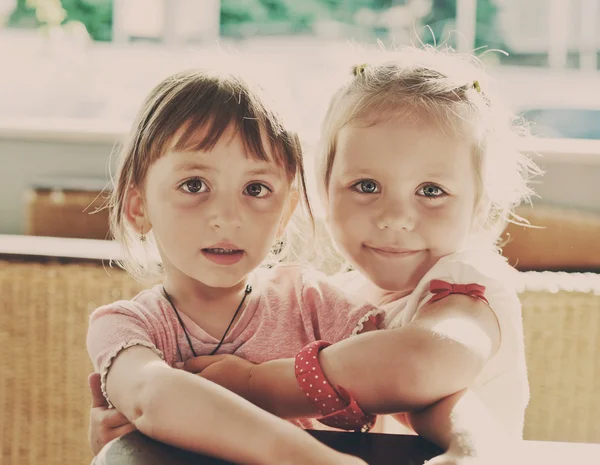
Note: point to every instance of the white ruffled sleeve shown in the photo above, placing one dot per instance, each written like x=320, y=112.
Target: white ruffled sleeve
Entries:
x=487, y=269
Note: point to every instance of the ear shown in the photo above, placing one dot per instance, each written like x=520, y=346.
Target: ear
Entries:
x=135, y=211
x=292, y=203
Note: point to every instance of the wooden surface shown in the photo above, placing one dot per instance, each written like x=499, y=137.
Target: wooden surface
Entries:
x=376, y=449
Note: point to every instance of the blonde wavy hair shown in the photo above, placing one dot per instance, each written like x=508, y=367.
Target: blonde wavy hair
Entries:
x=431, y=86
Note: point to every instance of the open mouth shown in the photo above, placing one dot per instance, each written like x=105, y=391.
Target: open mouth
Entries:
x=222, y=251
x=223, y=256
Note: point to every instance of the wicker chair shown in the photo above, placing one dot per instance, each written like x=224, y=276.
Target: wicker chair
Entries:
x=44, y=394
x=44, y=399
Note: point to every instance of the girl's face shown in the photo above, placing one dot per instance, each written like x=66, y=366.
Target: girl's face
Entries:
x=400, y=197
x=215, y=215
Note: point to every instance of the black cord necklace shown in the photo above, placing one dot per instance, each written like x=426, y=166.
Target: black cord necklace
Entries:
x=247, y=291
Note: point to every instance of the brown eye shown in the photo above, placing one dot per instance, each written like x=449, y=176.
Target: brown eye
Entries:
x=193, y=186
x=257, y=190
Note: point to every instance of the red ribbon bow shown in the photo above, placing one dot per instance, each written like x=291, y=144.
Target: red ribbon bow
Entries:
x=441, y=289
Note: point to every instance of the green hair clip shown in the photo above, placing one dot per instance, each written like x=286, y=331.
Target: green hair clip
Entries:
x=358, y=70
x=476, y=86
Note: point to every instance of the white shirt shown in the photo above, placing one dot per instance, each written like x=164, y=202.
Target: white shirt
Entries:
x=502, y=384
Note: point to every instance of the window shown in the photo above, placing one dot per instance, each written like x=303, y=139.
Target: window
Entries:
x=72, y=80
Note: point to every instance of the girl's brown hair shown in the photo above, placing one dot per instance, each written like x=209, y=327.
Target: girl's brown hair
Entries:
x=172, y=117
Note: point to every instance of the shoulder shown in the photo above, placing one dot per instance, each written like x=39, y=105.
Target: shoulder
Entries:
x=486, y=268
x=486, y=263
x=497, y=280
x=147, y=305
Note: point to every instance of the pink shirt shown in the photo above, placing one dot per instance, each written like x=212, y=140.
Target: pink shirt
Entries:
x=289, y=307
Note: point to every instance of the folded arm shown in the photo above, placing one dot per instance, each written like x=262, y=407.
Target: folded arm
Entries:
x=187, y=411
x=404, y=369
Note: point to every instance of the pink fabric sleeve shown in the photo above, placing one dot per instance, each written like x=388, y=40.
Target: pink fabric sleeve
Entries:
x=335, y=315
x=113, y=328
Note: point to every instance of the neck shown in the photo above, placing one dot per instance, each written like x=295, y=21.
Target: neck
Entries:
x=195, y=298
x=381, y=296
x=376, y=295
x=386, y=297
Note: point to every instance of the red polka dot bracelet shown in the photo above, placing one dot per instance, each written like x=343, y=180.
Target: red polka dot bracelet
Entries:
x=336, y=405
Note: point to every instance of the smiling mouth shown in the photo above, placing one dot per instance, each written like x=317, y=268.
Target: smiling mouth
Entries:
x=391, y=252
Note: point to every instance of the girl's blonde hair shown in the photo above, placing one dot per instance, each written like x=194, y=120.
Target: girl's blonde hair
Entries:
x=172, y=117
x=441, y=87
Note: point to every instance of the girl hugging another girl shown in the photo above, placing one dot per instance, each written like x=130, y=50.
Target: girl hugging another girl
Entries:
x=418, y=175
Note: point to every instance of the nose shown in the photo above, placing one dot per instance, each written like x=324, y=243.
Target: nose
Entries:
x=225, y=212
x=396, y=215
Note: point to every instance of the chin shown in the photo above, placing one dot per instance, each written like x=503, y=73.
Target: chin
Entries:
x=391, y=282
x=218, y=280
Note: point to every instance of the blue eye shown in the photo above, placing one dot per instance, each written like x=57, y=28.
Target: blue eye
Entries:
x=193, y=186
x=257, y=189
x=431, y=191
x=367, y=186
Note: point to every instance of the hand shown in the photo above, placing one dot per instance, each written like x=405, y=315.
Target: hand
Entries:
x=105, y=424
x=228, y=371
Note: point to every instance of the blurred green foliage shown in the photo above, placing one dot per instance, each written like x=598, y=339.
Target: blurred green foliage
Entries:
x=299, y=15
x=96, y=15
x=271, y=15
x=442, y=23
x=249, y=17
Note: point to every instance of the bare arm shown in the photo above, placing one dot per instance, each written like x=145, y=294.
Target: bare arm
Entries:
x=105, y=424
x=404, y=369
x=187, y=411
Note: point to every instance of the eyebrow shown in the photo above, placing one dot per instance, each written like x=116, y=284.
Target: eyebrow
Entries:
x=359, y=173
x=193, y=166
x=190, y=166
x=353, y=172
x=435, y=175
x=263, y=171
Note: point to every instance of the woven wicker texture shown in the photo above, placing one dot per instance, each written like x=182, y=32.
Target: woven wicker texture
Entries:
x=562, y=343
x=44, y=400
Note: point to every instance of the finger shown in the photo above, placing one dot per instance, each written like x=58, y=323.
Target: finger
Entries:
x=110, y=435
x=114, y=419
x=197, y=364
x=121, y=431
x=98, y=399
